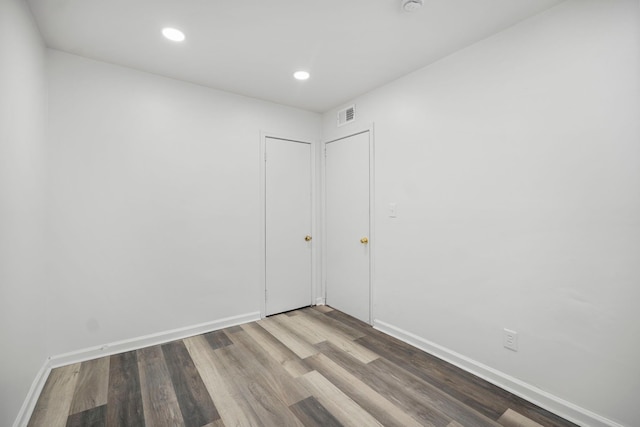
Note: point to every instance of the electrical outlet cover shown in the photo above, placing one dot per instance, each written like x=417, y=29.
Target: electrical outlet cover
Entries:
x=510, y=339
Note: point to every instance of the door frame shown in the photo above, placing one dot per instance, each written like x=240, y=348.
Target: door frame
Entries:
x=315, y=243
x=323, y=207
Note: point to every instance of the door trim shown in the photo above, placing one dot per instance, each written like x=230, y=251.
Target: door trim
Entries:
x=323, y=207
x=262, y=279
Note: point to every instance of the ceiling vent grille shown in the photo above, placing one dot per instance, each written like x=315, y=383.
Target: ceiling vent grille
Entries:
x=346, y=115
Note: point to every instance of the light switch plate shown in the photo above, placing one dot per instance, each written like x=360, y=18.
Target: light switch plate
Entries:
x=393, y=210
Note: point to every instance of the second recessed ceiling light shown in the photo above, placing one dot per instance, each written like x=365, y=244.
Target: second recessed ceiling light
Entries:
x=301, y=75
x=173, y=34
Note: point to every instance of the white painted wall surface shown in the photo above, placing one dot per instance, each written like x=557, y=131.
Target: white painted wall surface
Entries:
x=154, y=201
x=515, y=166
x=22, y=137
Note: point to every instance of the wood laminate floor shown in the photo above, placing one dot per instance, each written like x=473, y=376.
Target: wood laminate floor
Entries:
x=310, y=367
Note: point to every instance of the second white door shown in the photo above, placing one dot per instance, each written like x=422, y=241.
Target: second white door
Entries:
x=287, y=225
x=347, y=177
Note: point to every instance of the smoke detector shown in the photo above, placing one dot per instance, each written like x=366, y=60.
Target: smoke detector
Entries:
x=412, y=5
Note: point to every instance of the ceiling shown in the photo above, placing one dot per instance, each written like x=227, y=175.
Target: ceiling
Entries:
x=252, y=47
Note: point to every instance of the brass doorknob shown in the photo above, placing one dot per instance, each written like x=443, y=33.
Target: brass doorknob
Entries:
x=364, y=240
x=307, y=238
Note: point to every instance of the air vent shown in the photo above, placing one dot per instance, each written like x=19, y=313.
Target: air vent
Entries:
x=346, y=115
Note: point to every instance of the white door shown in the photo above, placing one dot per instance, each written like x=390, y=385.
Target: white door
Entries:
x=347, y=225
x=287, y=225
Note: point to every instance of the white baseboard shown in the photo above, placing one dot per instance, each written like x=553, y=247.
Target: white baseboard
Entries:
x=320, y=301
x=149, y=340
x=551, y=403
x=119, y=347
x=32, y=396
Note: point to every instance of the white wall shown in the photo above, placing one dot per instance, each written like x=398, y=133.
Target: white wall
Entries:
x=155, y=195
x=22, y=135
x=515, y=166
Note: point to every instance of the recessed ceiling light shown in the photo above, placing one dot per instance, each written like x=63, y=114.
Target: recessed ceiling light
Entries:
x=173, y=34
x=301, y=75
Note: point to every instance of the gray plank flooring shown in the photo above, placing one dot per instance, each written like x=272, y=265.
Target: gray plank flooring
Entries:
x=310, y=367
